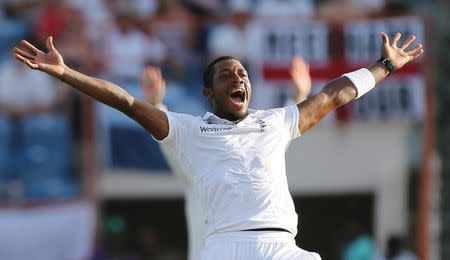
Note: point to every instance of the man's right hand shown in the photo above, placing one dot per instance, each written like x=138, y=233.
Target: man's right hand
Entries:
x=51, y=62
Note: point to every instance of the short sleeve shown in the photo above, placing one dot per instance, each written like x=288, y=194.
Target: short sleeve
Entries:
x=180, y=126
x=289, y=117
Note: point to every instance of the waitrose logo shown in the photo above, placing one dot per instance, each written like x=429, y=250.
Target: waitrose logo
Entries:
x=209, y=129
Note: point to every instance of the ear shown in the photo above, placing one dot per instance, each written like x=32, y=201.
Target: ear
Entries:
x=207, y=92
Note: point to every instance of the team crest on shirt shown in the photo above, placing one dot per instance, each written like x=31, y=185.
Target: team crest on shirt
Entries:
x=262, y=125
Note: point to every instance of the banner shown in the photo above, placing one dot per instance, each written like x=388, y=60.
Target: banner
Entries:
x=47, y=233
x=334, y=49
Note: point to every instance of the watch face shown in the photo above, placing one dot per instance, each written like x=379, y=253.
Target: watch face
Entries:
x=387, y=63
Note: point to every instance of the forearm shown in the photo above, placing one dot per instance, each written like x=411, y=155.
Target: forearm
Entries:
x=335, y=93
x=342, y=90
x=339, y=92
x=101, y=90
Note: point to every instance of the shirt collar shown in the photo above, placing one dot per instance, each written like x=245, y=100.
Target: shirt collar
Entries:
x=213, y=119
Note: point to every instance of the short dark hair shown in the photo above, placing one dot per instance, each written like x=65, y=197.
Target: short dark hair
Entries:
x=208, y=74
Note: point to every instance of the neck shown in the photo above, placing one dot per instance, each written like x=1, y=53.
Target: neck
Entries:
x=232, y=117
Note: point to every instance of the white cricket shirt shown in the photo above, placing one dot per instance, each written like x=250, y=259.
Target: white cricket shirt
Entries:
x=238, y=170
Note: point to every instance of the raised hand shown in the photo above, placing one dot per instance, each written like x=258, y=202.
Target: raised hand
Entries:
x=301, y=78
x=399, y=56
x=51, y=62
x=153, y=85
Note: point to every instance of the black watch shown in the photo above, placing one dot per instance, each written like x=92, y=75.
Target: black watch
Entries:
x=387, y=62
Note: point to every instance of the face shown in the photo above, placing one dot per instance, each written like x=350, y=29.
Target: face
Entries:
x=231, y=90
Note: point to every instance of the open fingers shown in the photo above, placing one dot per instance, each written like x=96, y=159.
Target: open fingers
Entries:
x=408, y=41
x=23, y=53
x=385, y=38
x=26, y=61
x=49, y=43
x=396, y=39
x=417, y=47
x=29, y=46
x=416, y=51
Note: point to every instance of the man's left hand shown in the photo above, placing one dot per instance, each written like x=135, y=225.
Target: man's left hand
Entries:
x=399, y=56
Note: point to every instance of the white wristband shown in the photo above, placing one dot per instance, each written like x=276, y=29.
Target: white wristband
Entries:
x=362, y=79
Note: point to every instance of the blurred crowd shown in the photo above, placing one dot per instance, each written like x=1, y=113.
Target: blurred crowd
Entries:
x=115, y=40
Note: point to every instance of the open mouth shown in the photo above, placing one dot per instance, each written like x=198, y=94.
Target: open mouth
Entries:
x=238, y=96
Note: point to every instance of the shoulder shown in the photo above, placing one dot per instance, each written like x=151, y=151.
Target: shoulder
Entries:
x=181, y=117
x=286, y=111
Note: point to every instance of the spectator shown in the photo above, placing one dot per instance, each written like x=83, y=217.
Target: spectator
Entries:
x=116, y=241
x=147, y=243
x=285, y=8
x=98, y=15
x=156, y=49
x=146, y=7
x=125, y=64
x=359, y=245
x=397, y=249
x=24, y=92
x=234, y=37
x=51, y=20
x=75, y=44
x=348, y=9
x=27, y=97
x=177, y=27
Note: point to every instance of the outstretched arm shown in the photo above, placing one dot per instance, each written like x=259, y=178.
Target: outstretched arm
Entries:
x=342, y=90
x=52, y=63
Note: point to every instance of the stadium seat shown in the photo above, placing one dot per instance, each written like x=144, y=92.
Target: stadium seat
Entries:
x=11, y=32
x=5, y=138
x=135, y=148
x=47, y=130
x=37, y=188
x=43, y=161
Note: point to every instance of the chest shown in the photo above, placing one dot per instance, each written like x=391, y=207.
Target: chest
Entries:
x=224, y=150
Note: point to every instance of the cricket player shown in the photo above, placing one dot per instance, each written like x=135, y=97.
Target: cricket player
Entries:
x=153, y=87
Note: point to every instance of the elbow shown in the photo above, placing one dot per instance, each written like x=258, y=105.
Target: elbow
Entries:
x=345, y=95
x=339, y=92
x=126, y=106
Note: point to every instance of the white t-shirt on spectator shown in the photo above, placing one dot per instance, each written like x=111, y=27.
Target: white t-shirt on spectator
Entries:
x=127, y=53
x=283, y=8
x=238, y=170
x=227, y=39
x=21, y=87
x=98, y=17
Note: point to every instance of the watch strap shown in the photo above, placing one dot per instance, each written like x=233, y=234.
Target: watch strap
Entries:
x=387, y=62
